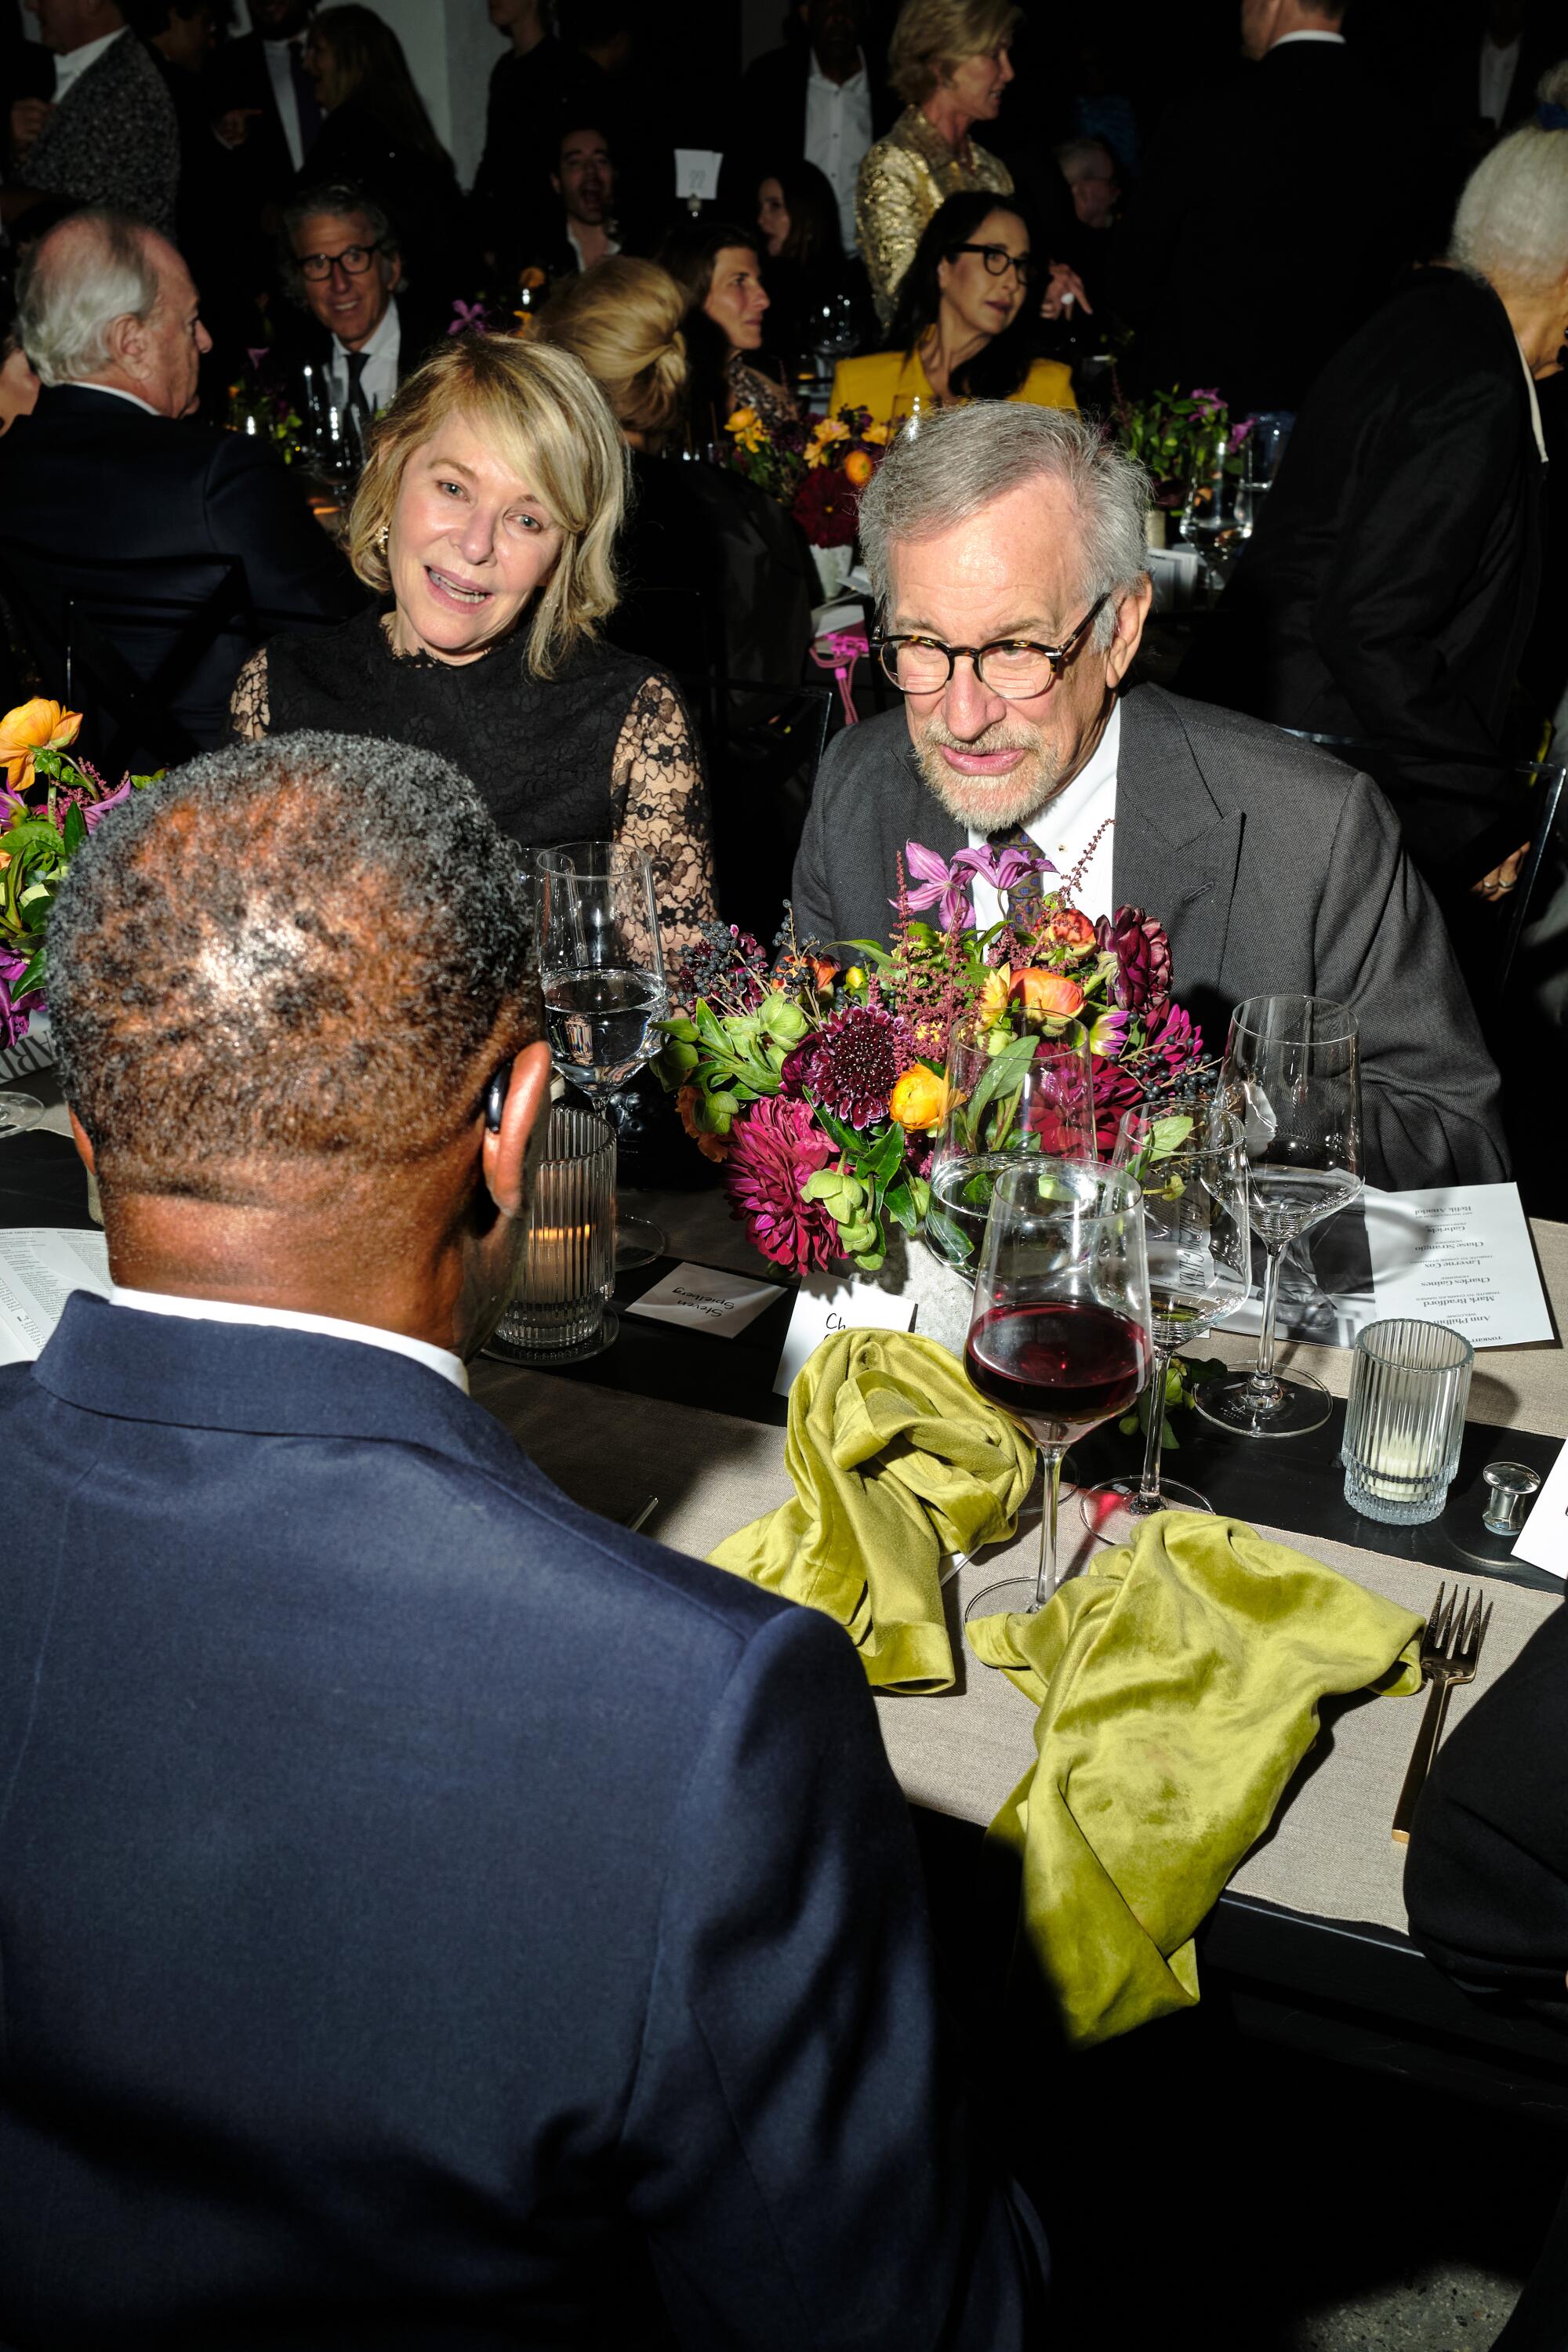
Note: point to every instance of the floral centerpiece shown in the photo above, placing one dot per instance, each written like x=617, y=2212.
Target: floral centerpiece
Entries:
x=819, y=1086
x=262, y=408
x=49, y=803
x=817, y=471
x=1184, y=439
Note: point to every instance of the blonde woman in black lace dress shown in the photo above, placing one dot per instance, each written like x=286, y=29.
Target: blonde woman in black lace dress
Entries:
x=487, y=517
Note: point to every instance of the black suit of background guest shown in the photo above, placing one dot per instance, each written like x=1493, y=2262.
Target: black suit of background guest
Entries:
x=1251, y=247
x=113, y=462
x=1388, y=591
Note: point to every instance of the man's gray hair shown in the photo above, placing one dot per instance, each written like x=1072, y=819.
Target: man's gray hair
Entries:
x=1512, y=225
x=963, y=459
x=91, y=268
x=347, y=202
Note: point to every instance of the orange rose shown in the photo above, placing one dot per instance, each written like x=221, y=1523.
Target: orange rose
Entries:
x=33, y=727
x=822, y=973
x=1049, y=993
x=921, y=1098
x=857, y=468
x=712, y=1147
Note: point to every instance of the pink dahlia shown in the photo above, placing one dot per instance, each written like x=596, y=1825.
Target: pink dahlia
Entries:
x=857, y=1061
x=1116, y=1090
x=773, y=1148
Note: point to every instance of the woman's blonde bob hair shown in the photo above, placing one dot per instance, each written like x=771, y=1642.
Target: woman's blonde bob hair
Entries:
x=540, y=413
x=622, y=319
x=931, y=36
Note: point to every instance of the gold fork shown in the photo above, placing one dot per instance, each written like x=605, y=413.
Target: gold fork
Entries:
x=1449, y=1649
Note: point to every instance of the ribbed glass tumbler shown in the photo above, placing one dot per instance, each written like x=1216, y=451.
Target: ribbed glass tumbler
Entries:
x=1410, y=1382
x=558, y=1314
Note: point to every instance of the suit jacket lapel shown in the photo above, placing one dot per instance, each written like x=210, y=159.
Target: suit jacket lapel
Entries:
x=1176, y=851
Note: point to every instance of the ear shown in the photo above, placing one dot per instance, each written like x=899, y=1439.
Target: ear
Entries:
x=504, y=1154
x=127, y=341
x=555, y=182
x=83, y=1143
x=1131, y=614
x=394, y=273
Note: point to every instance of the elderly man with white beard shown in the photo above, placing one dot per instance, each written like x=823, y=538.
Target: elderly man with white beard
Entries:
x=1006, y=544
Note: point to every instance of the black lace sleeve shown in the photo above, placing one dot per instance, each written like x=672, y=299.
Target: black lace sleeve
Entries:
x=249, y=716
x=661, y=805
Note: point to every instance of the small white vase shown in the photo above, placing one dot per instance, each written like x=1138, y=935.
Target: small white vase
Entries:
x=834, y=565
x=943, y=1298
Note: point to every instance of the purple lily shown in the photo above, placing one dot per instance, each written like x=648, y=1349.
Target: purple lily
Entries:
x=467, y=317
x=938, y=883
x=1003, y=868
x=92, y=811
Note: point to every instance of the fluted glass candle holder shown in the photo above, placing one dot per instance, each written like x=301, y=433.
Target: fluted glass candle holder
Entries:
x=559, y=1313
x=1410, y=1382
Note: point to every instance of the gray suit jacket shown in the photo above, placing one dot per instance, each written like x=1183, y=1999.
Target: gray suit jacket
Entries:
x=1275, y=870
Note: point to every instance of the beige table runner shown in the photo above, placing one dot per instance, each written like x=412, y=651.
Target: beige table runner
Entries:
x=1330, y=1853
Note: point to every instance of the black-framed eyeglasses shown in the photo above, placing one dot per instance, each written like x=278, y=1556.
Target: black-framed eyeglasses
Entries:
x=1015, y=667
x=354, y=259
x=998, y=260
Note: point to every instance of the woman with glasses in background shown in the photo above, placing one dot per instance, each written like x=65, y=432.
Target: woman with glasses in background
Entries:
x=963, y=326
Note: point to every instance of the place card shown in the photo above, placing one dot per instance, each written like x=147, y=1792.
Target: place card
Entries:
x=697, y=174
x=40, y=1266
x=706, y=1299
x=1542, y=1541
x=825, y=1304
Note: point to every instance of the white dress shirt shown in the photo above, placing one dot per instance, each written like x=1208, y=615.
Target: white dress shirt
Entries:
x=280, y=73
x=1065, y=827
x=70, y=69
x=837, y=133
x=379, y=381
x=289, y=1318
x=112, y=392
x=1497, y=68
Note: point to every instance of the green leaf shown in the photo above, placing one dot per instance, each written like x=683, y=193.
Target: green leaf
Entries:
x=1001, y=1075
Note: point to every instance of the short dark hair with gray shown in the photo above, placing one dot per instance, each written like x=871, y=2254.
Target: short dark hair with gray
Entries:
x=340, y=196
x=301, y=957
x=90, y=270
x=963, y=459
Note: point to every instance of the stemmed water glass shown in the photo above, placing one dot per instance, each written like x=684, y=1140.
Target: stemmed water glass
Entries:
x=1292, y=1076
x=1191, y=1166
x=17, y=1113
x=1036, y=1096
x=1061, y=1335
x=602, y=966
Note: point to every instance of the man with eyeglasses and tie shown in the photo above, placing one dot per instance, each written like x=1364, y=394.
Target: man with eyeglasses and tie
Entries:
x=1006, y=545
x=345, y=270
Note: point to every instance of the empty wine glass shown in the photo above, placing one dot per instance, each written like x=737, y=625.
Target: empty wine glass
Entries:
x=1061, y=1335
x=1292, y=1076
x=17, y=1113
x=1035, y=1096
x=1191, y=1167
x=602, y=967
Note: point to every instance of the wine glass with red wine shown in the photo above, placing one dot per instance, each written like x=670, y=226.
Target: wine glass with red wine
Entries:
x=1061, y=1335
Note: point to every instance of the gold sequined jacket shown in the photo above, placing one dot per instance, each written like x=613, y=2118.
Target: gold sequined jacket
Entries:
x=903, y=179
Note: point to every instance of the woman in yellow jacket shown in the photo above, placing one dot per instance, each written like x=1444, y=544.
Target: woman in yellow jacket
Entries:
x=963, y=322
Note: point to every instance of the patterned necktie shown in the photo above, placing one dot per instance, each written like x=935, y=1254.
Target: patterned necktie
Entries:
x=1024, y=904
x=357, y=363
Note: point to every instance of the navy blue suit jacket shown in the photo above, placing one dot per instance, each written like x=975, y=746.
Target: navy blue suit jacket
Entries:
x=429, y=1916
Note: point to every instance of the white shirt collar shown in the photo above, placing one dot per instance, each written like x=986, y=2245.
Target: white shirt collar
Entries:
x=1535, y=425
x=386, y=338
x=1286, y=38
x=1067, y=824
x=110, y=391
x=825, y=81
x=289, y=1318
x=70, y=69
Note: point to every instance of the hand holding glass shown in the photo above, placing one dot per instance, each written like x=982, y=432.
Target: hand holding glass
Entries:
x=1061, y=1335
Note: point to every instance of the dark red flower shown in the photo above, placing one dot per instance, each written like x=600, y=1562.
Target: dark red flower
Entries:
x=1143, y=983
x=828, y=507
x=857, y=1061
x=775, y=1146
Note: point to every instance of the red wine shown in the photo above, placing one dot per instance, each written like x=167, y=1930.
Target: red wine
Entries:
x=1063, y=1367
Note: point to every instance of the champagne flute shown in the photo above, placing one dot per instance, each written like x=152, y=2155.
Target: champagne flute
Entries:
x=1292, y=1076
x=1035, y=1096
x=1061, y=1335
x=602, y=966
x=1190, y=1163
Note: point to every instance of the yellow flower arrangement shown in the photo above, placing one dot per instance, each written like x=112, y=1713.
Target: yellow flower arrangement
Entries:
x=746, y=426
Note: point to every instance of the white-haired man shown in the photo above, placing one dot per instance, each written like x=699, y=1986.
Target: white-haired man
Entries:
x=112, y=462
x=1007, y=545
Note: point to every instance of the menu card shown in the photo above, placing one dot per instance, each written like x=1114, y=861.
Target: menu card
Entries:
x=1454, y=1253
x=40, y=1267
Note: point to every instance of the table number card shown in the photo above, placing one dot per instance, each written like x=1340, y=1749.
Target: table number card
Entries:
x=825, y=1304
x=697, y=174
x=706, y=1299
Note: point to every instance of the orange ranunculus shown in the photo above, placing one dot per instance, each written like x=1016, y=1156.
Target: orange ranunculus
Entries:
x=857, y=468
x=1069, y=929
x=921, y=1098
x=1050, y=994
x=712, y=1147
x=822, y=973
x=33, y=727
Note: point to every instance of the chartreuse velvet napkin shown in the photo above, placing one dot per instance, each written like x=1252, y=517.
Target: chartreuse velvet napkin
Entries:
x=1178, y=1681
x=896, y=1460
